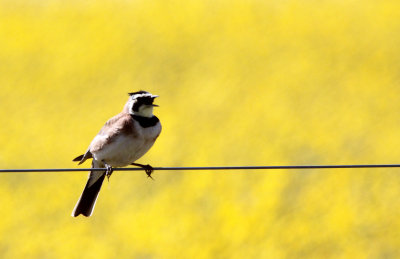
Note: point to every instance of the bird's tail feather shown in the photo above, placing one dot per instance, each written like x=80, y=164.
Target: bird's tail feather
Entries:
x=78, y=158
x=87, y=201
x=82, y=158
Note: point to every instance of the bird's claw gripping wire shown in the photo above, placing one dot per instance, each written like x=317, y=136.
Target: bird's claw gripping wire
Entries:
x=147, y=168
x=109, y=171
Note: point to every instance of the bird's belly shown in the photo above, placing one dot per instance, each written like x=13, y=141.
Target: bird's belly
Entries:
x=122, y=151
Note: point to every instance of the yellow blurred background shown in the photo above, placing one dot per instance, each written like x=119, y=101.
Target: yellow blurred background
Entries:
x=240, y=83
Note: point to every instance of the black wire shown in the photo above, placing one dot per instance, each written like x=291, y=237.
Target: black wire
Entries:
x=191, y=168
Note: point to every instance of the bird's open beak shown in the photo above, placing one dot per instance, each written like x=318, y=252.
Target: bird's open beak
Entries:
x=154, y=96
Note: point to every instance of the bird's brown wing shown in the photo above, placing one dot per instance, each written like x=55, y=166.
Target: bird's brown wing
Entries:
x=114, y=127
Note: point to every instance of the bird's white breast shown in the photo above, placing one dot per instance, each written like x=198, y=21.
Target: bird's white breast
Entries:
x=127, y=148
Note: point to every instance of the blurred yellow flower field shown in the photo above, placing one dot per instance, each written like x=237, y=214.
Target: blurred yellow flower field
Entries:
x=240, y=83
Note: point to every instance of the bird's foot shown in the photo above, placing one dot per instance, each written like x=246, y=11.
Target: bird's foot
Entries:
x=109, y=171
x=147, y=168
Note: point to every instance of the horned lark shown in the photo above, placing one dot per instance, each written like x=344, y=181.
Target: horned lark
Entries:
x=123, y=139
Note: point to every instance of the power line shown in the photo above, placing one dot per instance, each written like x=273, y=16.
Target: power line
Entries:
x=195, y=168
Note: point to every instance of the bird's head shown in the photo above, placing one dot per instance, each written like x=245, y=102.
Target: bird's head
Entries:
x=141, y=103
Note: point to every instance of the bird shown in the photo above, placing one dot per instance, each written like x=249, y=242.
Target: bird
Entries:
x=121, y=141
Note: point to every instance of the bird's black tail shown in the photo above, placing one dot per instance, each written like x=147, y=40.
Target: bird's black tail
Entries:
x=87, y=201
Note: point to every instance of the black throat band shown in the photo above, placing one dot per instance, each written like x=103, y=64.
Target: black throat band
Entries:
x=146, y=122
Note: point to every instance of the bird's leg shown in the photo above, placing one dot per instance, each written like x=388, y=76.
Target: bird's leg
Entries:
x=147, y=168
x=109, y=170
